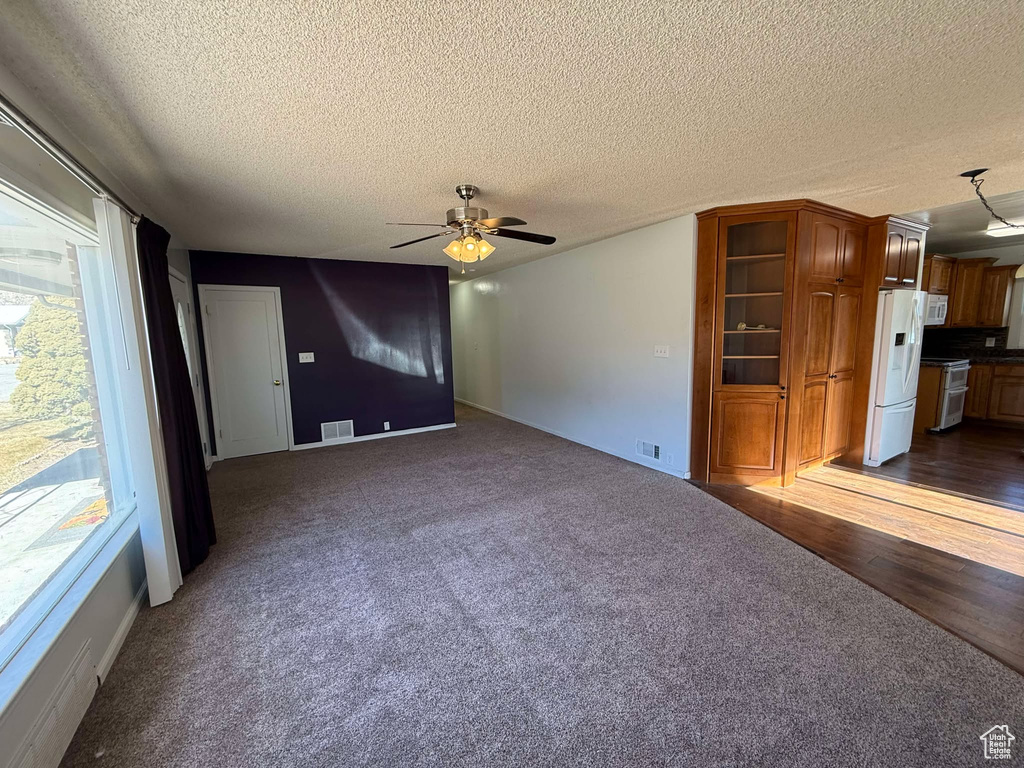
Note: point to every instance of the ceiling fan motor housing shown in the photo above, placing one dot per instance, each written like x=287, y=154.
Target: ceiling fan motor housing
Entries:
x=457, y=215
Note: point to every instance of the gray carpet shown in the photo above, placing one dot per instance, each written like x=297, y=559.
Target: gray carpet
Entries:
x=495, y=596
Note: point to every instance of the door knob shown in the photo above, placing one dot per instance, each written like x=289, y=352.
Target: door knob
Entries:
x=277, y=382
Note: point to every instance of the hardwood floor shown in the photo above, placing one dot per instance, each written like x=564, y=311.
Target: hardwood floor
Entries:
x=982, y=604
x=977, y=530
x=978, y=459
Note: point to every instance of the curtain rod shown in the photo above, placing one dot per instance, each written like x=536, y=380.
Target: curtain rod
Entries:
x=17, y=118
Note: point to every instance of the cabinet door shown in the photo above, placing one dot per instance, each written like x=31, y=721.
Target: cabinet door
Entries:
x=1006, y=401
x=892, y=266
x=826, y=261
x=963, y=311
x=846, y=324
x=821, y=310
x=839, y=414
x=979, y=387
x=747, y=438
x=911, y=258
x=839, y=403
x=940, y=276
x=994, y=305
x=852, y=255
x=755, y=262
x=812, y=421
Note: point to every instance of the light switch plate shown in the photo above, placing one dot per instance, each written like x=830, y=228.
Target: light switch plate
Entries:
x=661, y=350
x=990, y=341
x=305, y=357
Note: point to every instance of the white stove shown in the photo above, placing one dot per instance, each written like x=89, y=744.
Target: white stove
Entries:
x=952, y=390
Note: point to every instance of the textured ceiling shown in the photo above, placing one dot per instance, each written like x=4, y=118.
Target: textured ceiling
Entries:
x=960, y=227
x=300, y=128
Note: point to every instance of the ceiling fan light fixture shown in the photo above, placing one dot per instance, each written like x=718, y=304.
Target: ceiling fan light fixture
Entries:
x=469, y=248
x=454, y=249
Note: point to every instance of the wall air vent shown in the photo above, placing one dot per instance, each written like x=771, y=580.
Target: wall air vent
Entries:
x=336, y=431
x=650, y=450
x=45, y=743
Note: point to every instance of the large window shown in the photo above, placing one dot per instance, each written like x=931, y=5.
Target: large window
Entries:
x=65, y=472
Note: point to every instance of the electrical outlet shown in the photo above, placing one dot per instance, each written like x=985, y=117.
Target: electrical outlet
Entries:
x=990, y=341
x=661, y=350
x=387, y=426
x=305, y=357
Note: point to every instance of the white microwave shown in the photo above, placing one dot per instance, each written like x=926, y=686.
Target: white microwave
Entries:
x=935, y=311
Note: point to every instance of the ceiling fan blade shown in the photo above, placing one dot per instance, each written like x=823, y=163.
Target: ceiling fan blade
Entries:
x=501, y=221
x=408, y=224
x=421, y=239
x=529, y=237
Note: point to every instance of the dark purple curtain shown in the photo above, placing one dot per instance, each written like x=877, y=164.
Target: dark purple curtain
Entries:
x=190, y=493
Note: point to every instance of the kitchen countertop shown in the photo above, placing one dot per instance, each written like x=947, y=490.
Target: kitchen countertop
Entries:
x=1016, y=360
x=987, y=360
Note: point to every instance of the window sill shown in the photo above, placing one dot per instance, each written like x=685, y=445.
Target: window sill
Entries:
x=24, y=660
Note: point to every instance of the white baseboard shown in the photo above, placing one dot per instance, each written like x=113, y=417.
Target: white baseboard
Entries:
x=103, y=668
x=624, y=456
x=376, y=436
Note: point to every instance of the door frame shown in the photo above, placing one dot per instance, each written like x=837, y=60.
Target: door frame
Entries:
x=198, y=389
x=211, y=376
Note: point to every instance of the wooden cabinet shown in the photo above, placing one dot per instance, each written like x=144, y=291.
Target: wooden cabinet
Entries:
x=837, y=251
x=833, y=317
x=903, y=247
x=748, y=435
x=965, y=296
x=1006, y=398
x=778, y=311
x=937, y=275
x=979, y=387
x=994, y=302
x=753, y=264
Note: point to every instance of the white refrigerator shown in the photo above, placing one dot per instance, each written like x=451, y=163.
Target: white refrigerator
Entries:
x=895, y=365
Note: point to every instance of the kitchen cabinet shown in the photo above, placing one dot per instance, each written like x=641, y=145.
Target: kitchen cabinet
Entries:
x=937, y=274
x=965, y=295
x=779, y=301
x=979, y=386
x=994, y=301
x=1006, y=398
x=837, y=251
x=831, y=347
x=903, y=247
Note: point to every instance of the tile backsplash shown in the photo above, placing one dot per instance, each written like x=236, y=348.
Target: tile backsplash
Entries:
x=967, y=342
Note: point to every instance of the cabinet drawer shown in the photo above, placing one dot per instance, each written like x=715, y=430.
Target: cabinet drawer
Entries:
x=1008, y=370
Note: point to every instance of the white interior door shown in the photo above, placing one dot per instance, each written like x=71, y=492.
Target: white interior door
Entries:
x=245, y=359
x=182, y=294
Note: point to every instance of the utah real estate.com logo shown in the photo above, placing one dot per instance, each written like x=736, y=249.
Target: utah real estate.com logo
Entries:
x=997, y=741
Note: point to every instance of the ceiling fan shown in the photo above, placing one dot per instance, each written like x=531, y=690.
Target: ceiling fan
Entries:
x=469, y=225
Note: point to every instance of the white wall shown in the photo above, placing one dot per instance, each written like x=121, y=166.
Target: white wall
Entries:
x=566, y=344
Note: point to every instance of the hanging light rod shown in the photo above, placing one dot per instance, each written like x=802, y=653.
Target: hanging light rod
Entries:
x=1008, y=227
x=9, y=113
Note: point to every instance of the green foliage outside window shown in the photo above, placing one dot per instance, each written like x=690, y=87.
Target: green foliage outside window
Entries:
x=52, y=374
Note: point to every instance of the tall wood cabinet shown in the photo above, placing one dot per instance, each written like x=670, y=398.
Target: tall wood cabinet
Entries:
x=779, y=295
x=830, y=301
x=996, y=290
x=965, y=296
x=753, y=298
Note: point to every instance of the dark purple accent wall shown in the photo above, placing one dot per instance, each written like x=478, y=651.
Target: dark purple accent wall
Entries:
x=381, y=335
